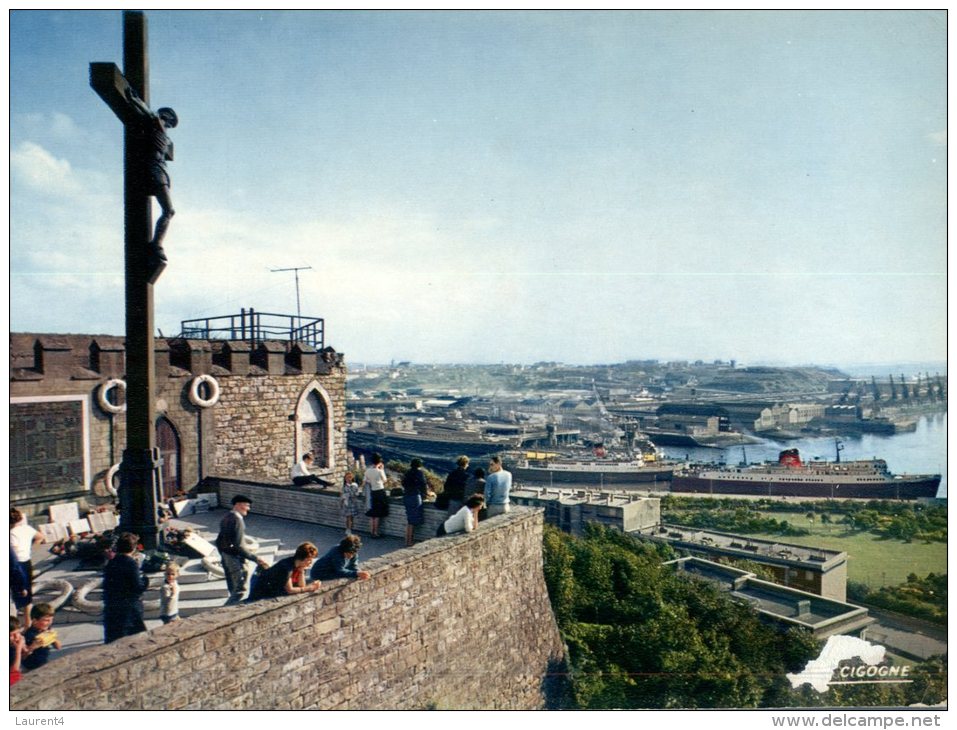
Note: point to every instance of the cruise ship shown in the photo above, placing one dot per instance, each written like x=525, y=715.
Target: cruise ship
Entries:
x=592, y=467
x=790, y=477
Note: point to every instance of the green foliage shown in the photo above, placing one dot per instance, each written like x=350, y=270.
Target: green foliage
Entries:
x=737, y=518
x=924, y=598
x=905, y=521
x=929, y=685
x=434, y=481
x=640, y=636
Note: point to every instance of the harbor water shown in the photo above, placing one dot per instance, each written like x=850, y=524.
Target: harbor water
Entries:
x=923, y=451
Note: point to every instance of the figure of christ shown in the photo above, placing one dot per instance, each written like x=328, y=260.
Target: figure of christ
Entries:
x=156, y=148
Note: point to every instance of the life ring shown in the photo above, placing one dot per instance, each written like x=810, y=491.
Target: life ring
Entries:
x=102, y=397
x=214, y=567
x=108, y=480
x=62, y=588
x=196, y=399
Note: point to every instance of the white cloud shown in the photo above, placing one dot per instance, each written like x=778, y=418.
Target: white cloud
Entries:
x=35, y=167
x=63, y=127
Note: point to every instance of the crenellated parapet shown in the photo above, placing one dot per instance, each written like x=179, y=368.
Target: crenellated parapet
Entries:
x=249, y=410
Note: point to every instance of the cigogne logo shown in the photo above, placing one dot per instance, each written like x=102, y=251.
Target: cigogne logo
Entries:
x=870, y=672
x=848, y=660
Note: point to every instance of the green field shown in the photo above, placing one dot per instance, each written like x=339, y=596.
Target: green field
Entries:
x=871, y=559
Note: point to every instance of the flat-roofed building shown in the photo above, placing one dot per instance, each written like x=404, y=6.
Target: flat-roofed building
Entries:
x=570, y=509
x=789, y=607
x=816, y=570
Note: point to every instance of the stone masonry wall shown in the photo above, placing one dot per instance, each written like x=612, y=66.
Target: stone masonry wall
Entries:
x=256, y=430
x=251, y=432
x=320, y=506
x=460, y=622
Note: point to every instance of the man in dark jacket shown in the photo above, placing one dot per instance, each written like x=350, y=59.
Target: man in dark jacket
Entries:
x=455, y=484
x=123, y=587
x=234, y=554
x=341, y=561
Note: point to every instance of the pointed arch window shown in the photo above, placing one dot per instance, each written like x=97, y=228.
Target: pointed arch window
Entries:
x=169, y=446
x=313, y=417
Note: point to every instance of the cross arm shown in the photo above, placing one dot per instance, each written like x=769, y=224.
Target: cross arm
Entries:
x=111, y=85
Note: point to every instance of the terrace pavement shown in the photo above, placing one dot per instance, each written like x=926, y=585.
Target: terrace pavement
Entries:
x=278, y=537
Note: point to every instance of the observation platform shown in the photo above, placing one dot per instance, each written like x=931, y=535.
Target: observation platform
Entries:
x=199, y=591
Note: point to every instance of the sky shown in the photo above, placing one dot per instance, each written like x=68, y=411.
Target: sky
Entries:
x=501, y=186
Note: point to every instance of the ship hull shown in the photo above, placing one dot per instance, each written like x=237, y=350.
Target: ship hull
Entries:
x=921, y=488
x=592, y=477
x=440, y=454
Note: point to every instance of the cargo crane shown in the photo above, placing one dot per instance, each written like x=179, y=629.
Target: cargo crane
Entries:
x=877, y=391
x=940, y=387
x=843, y=398
x=905, y=394
x=893, y=387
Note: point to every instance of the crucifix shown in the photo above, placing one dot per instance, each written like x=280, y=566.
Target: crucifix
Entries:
x=146, y=148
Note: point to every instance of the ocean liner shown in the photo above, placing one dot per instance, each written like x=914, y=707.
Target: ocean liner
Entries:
x=790, y=477
x=589, y=468
x=438, y=446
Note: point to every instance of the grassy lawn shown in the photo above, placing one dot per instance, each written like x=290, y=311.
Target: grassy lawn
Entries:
x=870, y=559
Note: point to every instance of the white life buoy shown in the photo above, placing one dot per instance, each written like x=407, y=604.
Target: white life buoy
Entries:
x=42, y=589
x=102, y=397
x=196, y=399
x=108, y=480
x=107, y=490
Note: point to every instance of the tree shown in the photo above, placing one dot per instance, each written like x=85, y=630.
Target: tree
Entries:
x=640, y=636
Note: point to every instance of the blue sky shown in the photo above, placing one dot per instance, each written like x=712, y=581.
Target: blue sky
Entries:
x=506, y=186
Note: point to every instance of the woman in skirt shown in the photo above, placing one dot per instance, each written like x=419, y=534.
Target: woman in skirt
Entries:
x=414, y=489
x=377, y=503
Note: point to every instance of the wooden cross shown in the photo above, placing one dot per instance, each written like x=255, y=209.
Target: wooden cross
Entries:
x=139, y=473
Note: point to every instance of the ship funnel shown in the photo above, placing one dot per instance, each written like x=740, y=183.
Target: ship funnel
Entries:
x=790, y=458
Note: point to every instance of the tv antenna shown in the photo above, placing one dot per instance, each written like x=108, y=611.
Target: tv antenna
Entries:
x=296, y=270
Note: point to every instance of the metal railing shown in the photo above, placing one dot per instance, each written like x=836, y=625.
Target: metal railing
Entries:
x=255, y=327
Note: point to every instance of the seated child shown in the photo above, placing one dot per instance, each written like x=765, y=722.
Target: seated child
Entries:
x=40, y=637
x=18, y=650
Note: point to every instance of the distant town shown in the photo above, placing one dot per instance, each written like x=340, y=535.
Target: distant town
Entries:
x=626, y=405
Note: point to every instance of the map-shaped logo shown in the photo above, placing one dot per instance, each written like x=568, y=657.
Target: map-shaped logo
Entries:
x=818, y=672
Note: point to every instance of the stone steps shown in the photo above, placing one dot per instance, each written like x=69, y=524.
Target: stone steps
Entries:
x=199, y=590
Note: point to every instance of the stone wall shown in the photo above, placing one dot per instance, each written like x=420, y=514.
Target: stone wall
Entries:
x=256, y=424
x=252, y=431
x=319, y=506
x=460, y=622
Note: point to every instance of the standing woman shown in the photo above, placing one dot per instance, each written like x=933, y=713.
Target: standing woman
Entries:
x=414, y=488
x=374, y=482
x=22, y=539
